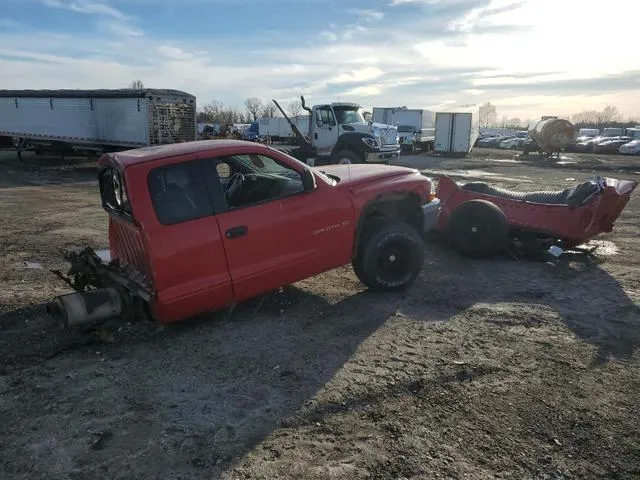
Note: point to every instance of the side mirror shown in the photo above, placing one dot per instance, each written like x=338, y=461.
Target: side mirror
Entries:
x=308, y=180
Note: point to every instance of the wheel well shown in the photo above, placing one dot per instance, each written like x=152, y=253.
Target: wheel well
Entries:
x=347, y=148
x=400, y=207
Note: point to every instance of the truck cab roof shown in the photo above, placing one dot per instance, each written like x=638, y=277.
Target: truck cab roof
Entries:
x=127, y=158
x=340, y=104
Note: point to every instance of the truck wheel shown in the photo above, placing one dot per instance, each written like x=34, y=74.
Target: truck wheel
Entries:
x=390, y=257
x=346, y=157
x=478, y=228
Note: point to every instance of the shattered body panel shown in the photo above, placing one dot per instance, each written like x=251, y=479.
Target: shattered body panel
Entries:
x=573, y=215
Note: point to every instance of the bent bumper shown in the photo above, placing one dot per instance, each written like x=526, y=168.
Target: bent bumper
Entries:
x=430, y=213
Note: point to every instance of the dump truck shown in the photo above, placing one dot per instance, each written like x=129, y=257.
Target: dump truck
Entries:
x=96, y=121
x=338, y=133
x=550, y=136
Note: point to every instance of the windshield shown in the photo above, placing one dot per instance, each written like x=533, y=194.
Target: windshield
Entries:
x=348, y=115
x=405, y=128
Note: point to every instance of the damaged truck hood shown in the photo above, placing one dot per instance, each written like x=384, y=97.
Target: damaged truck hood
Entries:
x=351, y=175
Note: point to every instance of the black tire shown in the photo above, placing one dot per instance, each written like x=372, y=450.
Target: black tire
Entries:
x=390, y=257
x=370, y=227
x=478, y=228
x=346, y=157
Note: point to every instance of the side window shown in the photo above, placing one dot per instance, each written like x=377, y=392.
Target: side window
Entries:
x=178, y=193
x=325, y=116
x=256, y=179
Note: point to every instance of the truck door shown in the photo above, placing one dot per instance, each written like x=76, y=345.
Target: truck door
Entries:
x=277, y=239
x=461, y=132
x=444, y=132
x=189, y=263
x=325, y=134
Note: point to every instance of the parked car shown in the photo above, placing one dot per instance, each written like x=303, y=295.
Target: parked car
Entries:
x=199, y=226
x=630, y=148
x=491, y=142
x=588, y=145
x=514, y=143
x=611, y=146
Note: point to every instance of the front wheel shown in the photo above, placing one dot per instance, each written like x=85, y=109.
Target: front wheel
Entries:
x=390, y=258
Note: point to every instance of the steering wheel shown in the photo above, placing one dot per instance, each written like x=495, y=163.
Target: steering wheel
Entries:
x=234, y=187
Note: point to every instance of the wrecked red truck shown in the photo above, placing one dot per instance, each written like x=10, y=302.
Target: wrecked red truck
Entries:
x=200, y=226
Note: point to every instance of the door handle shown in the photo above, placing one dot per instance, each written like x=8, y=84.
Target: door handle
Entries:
x=235, y=232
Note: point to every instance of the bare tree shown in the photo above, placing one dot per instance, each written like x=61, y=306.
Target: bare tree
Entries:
x=254, y=106
x=269, y=111
x=487, y=115
x=609, y=114
x=586, y=117
x=213, y=110
x=294, y=108
x=137, y=85
x=513, y=123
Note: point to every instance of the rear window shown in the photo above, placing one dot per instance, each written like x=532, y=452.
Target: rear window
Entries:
x=178, y=193
x=113, y=192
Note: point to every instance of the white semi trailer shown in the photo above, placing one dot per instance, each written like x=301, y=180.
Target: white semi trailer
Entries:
x=96, y=121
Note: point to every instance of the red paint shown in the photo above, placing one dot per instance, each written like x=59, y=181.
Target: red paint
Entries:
x=192, y=266
x=574, y=225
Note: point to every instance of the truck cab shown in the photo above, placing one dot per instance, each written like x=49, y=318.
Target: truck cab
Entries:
x=338, y=133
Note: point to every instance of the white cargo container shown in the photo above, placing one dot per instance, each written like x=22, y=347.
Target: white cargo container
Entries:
x=456, y=130
x=97, y=120
x=279, y=129
x=416, y=127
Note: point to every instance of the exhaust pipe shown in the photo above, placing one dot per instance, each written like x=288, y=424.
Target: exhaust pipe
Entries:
x=80, y=308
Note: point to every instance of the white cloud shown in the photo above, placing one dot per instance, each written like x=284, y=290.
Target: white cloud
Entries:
x=368, y=16
x=549, y=65
x=358, y=75
x=120, y=29
x=88, y=7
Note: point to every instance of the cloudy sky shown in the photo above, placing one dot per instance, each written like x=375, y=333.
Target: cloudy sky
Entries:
x=529, y=58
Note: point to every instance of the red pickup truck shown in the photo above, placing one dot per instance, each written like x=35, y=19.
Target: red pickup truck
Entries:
x=199, y=226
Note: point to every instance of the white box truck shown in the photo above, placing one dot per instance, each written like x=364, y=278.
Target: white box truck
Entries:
x=416, y=127
x=456, y=130
x=96, y=121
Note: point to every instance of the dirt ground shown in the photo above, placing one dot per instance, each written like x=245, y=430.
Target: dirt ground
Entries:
x=483, y=369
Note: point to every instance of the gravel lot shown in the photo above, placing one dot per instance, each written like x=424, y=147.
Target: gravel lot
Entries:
x=484, y=369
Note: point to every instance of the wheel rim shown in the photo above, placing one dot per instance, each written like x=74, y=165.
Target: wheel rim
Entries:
x=394, y=262
x=344, y=161
x=477, y=229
